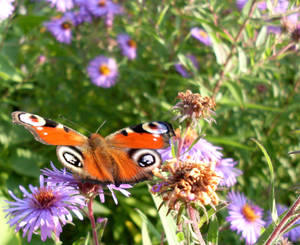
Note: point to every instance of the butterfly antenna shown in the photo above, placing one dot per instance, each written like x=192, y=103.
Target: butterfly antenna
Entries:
x=76, y=125
x=102, y=124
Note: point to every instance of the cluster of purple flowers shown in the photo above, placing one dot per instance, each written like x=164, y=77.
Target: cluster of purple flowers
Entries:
x=279, y=7
x=102, y=70
x=244, y=217
x=50, y=206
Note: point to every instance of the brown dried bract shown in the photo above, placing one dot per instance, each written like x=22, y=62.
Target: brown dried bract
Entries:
x=187, y=182
x=194, y=106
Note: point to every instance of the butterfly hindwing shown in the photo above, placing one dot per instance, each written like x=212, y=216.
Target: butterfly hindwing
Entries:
x=134, y=165
x=47, y=131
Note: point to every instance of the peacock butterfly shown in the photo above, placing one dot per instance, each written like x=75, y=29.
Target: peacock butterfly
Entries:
x=126, y=156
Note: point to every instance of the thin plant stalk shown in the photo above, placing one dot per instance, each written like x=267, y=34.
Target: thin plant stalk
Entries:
x=92, y=219
x=282, y=225
x=192, y=214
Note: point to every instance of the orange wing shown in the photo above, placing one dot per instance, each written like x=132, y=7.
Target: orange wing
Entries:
x=153, y=135
x=47, y=131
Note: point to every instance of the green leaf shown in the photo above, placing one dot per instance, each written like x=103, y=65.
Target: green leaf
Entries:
x=228, y=141
x=266, y=234
x=180, y=236
x=145, y=235
x=236, y=92
x=221, y=51
x=213, y=231
x=246, y=8
x=162, y=15
x=242, y=60
x=8, y=236
x=262, y=36
x=99, y=208
x=8, y=71
x=25, y=162
x=29, y=22
x=100, y=228
x=296, y=131
x=226, y=101
x=204, y=218
x=150, y=226
x=84, y=240
x=167, y=221
x=272, y=178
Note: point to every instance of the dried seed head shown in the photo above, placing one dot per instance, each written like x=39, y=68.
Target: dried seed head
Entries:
x=194, y=106
x=296, y=33
x=187, y=182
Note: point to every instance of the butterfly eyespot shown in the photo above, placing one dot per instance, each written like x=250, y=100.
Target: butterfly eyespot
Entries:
x=30, y=119
x=155, y=128
x=70, y=157
x=145, y=157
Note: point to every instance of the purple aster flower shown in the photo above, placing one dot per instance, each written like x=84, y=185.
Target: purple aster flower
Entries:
x=241, y=3
x=62, y=176
x=201, y=36
x=225, y=168
x=120, y=188
x=274, y=29
x=62, y=5
x=103, y=71
x=294, y=234
x=57, y=176
x=6, y=9
x=262, y=5
x=82, y=15
x=61, y=28
x=80, y=3
x=202, y=150
x=47, y=208
x=281, y=6
x=103, y=7
x=127, y=45
x=181, y=69
x=244, y=217
x=288, y=22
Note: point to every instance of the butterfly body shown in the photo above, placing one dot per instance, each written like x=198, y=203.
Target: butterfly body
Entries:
x=126, y=156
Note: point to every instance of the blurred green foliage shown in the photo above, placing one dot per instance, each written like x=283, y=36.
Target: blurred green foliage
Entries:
x=258, y=97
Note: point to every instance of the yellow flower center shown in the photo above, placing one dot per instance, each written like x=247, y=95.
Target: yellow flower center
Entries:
x=104, y=70
x=203, y=34
x=102, y=3
x=249, y=213
x=66, y=25
x=131, y=43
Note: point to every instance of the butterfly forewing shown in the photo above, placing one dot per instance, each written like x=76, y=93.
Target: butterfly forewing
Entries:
x=153, y=135
x=47, y=131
